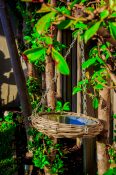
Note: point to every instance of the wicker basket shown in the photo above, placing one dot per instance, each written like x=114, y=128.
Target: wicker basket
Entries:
x=55, y=125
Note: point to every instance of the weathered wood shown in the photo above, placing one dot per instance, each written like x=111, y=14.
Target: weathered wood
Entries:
x=68, y=89
x=104, y=113
x=74, y=76
x=59, y=82
x=89, y=156
x=15, y=60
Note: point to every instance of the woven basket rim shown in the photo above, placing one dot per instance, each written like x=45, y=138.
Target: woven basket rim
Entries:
x=57, y=129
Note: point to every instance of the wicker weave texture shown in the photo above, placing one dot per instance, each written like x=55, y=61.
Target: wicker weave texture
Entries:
x=49, y=124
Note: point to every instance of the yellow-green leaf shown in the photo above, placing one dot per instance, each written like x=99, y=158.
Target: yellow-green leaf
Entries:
x=91, y=31
x=104, y=14
x=44, y=9
x=60, y=61
x=44, y=23
x=112, y=26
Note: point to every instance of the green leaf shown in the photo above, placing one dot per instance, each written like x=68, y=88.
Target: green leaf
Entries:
x=35, y=54
x=114, y=116
x=99, y=60
x=104, y=14
x=95, y=103
x=65, y=24
x=111, y=3
x=98, y=86
x=76, y=89
x=112, y=26
x=81, y=25
x=44, y=9
x=113, y=15
x=60, y=62
x=48, y=40
x=91, y=31
x=44, y=23
x=88, y=63
x=66, y=106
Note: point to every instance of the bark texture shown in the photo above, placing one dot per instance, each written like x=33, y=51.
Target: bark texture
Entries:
x=104, y=113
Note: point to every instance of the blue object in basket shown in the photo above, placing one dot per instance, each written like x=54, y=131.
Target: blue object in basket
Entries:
x=76, y=121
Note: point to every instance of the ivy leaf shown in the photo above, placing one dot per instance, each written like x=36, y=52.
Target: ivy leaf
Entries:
x=65, y=24
x=44, y=23
x=88, y=63
x=44, y=9
x=112, y=26
x=91, y=31
x=61, y=64
x=76, y=89
x=95, y=103
x=104, y=14
x=35, y=54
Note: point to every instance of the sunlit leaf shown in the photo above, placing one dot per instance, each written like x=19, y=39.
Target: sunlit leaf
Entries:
x=35, y=54
x=111, y=3
x=88, y=63
x=91, y=31
x=104, y=14
x=113, y=15
x=76, y=89
x=61, y=64
x=66, y=106
x=44, y=9
x=112, y=26
x=95, y=102
x=44, y=23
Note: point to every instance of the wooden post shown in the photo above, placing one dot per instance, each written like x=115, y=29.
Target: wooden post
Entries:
x=89, y=156
x=15, y=60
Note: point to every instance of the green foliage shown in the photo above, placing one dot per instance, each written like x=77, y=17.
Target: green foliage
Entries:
x=91, y=31
x=111, y=171
x=45, y=152
x=60, y=62
x=44, y=23
x=95, y=103
x=60, y=107
x=7, y=162
x=112, y=26
x=36, y=55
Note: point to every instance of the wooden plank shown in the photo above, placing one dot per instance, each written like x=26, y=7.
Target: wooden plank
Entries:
x=74, y=76
x=68, y=59
x=89, y=156
x=8, y=89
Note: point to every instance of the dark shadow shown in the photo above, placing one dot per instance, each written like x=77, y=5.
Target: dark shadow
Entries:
x=6, y=68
